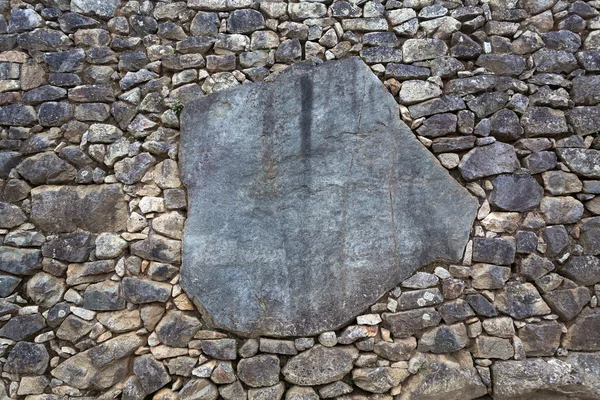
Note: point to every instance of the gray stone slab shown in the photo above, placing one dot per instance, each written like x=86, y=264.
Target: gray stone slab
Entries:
x=308, y=199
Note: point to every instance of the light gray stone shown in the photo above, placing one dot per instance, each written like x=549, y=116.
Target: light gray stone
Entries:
x=302, y=202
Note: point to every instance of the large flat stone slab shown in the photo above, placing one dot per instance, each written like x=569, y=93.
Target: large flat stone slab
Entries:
x=93, y=208
x=308, y=199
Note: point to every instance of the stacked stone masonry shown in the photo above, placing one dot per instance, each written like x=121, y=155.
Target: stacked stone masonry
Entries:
x=504, y=93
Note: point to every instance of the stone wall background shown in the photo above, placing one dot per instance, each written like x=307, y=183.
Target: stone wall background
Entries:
x=504, y=93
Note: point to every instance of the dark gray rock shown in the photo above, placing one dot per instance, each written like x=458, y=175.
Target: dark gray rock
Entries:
x=586, y=90
x=11, y=216
x=463, y=47
x=71, y=247
x=42, y=39
x=381, y=54
x=19, y=261
x=567, y=303
x=176, y=329
x=436, y=106
x=455, y=311
x=452, y=144
x=65, y=61
x=289, y=51
x=151, y=373
x=554, y=61
x=481, y=305
x=142, y=291
x=404, y=72
x=556, y=239
x=207, y=23
x=45, y=290
x=502, y=64
x=540, y=161
x=516, y=192
x=420, y=298
x=407, y=323
x=27, y=358
x=493, y=251
x=94, y=208
x=104, y=296
x=589, y=60
x=583, y=270
x=438, y=125
x=583, y=333
x=320, y=365
x=8, y=284
x=470, y=85
x=493, y=159
x=103, y=9
x=22, y=20
x=521, y=301
x=505, y=125
x=221, y=349
x=55, y=113
x=17, y=115
x=444, y=339
x=584, y=120
x=296, y=177
x=488, y=103
x=526, y=242
x=533, y=267
x=72, y=21
x=544, y=121
x=132, y=170
x=541, y=339
x=46, y=168
x=22, y=327
x=245, y=21
x=8, y=160
x=158, y=248
x=101, y=93
x=259, y=371
x=562, y=40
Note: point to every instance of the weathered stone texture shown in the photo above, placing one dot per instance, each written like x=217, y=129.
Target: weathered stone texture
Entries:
x=305, y=198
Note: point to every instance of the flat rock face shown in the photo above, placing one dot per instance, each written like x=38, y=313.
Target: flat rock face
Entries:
x=303, y=184
x=94, y=208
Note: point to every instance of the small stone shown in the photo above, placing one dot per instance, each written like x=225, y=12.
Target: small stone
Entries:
x=380, y=379
x=398, y=350
x=423, y=49
x=22, y=327
x=582, y=334
x=141, y=291
x=481, y=305
x=45, y=290
x=493, y=251
x=561, y=210
x=276, y=346
x=267, y=393
x=221, y=349
x=583, y=270
x=245, y=21
x=455, y=311
x=199, y=389
x=419, y=298
x=408, y=323
x=492, y=347
x=500, y=327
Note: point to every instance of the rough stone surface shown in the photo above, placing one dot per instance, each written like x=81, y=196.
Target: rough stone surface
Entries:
x=302, y=182
x=95, y=208
x=320, y=365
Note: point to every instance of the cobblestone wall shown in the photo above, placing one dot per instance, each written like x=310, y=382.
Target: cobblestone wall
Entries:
x=504, y=93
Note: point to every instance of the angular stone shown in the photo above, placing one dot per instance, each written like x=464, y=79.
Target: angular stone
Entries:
x=103, y=9
x=259, y=371
x=488, y=103
x=199, y=389
x=521, y=301
x=16, y=114
x=398, y=350
x=11, y=216
x=443, y=377
x=380, y=379
x=407, y=323
x=104, y=296
x=22, y=327
x=494, y=159
x=583, y=333
x=492, y=347
x=534, y=267
x=45, y=290
x=320, y=365
x=481, y=305
x=27, y=359
x=46, y=168
x=176, y=329
x=142, y=291
x=455, y=311
x=544, y=121
x=554, y=61
x=151, y=373
x=500, y=327
x=584, y=162
x=583, y=270
x=8, y=160
x=417, y=91
x=71, y=247
x=561, y=210
x=158, y=248
x=585, y=90
x=493, y=251
x=245, y=21
x=502, y=64
x=132, y=170
x=423, y=49
x=94, y=208
x=487, y=276
x=542, y=339
x=444, y=339
x=221, y=349
x=420, y=298
x=19, y=261
x=319, y=149
x=267, y=393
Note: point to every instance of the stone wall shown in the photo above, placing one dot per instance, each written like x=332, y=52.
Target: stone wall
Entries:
x=503, y=93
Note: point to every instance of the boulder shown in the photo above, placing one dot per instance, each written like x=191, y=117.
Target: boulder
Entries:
x=313, y=173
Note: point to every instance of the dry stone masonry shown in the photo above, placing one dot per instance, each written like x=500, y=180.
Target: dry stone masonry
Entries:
x=112, y=110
